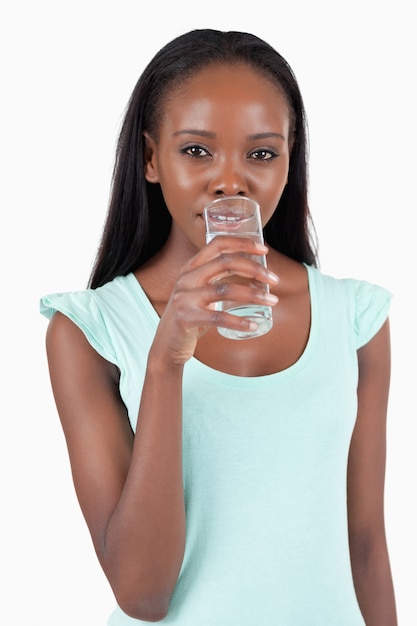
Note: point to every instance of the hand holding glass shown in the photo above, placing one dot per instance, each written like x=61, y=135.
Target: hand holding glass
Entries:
x=238, y=216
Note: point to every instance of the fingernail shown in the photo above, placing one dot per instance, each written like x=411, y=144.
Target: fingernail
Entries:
x=271, y=298
x=273, y=276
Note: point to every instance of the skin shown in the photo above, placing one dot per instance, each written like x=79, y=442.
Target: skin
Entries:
x=204, y=150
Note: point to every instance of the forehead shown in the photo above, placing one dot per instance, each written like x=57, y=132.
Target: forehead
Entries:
x=226, y=90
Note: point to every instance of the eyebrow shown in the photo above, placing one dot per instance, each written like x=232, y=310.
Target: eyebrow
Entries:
x=192, y=131
x=211, y=135
x=265, y=136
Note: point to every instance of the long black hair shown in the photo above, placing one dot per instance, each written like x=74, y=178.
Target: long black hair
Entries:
x=138, y=221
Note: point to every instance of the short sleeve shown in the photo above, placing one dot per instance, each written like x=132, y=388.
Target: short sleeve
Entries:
x=372, y=304
x=81, y=307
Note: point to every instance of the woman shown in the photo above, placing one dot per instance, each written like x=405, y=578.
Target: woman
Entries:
x=224, y=482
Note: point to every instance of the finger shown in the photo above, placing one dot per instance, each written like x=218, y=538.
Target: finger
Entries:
x=211, y=317
x=231, y=290
x=227, y=264
x=226, y=245
x=196, y=308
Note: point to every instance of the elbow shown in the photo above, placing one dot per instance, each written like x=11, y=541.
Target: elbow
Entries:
x=148, y=609
x=142, y=592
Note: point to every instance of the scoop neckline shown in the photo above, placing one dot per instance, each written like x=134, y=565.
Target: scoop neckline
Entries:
x=243, y=381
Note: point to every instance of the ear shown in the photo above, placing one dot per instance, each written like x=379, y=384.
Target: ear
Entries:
x=151, y=169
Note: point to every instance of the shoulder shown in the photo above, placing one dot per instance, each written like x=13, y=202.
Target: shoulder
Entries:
x=73, y=359
x=90, y=311
x=366, y=304
x=91, y=300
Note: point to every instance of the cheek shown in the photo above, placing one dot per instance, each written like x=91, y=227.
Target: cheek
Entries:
x=273, y=181
x=271, y=194
x=178, y=177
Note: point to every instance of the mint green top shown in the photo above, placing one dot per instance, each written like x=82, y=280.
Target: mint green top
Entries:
x=265, y=459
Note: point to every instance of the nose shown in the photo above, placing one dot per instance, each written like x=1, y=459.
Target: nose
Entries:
x=228, y=180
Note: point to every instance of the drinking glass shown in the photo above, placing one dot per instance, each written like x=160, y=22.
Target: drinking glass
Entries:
x=239, y=216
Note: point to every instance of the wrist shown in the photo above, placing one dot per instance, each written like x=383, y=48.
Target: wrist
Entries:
x=159, y=364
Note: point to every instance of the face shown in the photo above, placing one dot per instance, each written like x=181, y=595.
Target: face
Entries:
x=224, y=132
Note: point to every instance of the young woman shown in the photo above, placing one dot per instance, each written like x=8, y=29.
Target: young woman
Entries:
x=224, y=483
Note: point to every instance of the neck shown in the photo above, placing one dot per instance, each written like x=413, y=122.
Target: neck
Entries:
x=167, y=262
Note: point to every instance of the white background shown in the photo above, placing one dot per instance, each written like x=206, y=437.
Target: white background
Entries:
x=68, y=69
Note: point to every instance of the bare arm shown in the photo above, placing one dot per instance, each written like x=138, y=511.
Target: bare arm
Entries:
x=130, y=487
x=366, y=475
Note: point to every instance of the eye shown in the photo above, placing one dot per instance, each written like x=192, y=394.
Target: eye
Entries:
x=263, y=155
x=195, y=151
